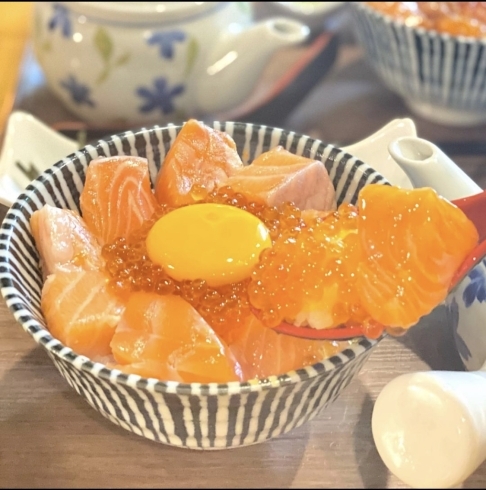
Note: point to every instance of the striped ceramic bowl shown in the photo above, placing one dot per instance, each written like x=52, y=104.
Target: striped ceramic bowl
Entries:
x=440, y=77
x=197, y=416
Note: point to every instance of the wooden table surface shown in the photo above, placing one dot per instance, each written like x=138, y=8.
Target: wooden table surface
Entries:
x=50, y=437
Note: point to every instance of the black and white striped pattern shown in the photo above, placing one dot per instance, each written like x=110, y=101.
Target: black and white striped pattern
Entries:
x=197, y=416
x=421, y=65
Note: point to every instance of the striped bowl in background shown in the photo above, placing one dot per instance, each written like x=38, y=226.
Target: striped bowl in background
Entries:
x=440, y=77
x=196, y=416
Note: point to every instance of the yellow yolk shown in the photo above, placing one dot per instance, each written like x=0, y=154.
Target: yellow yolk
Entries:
x=215, y=242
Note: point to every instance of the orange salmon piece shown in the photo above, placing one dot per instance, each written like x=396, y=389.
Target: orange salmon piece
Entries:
x=411, y=244
x=199, y=156
x=81, y=311
x=278, y=176
x=117, y=197
x=165, y=337
x=64, y=241
x=262, y=352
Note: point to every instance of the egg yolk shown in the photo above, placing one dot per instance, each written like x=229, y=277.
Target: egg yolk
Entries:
x=215, y=242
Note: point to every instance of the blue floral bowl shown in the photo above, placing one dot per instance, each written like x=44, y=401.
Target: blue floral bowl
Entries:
x=466, y=309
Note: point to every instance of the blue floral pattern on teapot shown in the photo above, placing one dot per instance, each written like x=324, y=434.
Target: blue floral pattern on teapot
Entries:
x=155, y=62
x=162, y=95
x=60, y=18
x=467, y=313
x=476, y=289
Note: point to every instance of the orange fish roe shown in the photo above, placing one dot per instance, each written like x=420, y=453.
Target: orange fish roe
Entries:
x=130, y=268
x=456, y=18
x=309, y=275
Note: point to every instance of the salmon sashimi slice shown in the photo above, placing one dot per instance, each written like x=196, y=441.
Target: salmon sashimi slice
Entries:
x=262, y=352
x=81, y=311
x=117, y=197
x=64, y=241
x=411, y=242
x=278, y=176
x=199, y=156
x=279, y=157
x=165, y=337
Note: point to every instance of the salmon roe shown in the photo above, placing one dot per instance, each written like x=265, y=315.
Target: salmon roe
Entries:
x=130, y=268
x=313, y=259
x=310, y=273
x=455, y=18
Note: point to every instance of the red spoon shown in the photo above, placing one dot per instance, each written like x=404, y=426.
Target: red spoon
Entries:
x=474, y=207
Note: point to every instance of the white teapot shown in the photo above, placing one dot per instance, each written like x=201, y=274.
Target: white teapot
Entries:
x=144, y=63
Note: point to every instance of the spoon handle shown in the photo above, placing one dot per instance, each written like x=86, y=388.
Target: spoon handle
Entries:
x=474, y=208
x=338, y=333
x=341, y=332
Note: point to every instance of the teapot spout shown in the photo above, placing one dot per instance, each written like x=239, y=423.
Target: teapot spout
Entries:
x=235, y=64
x=428, y=166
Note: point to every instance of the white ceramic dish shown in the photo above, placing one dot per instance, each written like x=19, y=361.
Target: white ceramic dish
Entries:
x=29, y=148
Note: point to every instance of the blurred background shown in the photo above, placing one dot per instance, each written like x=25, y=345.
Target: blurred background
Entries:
x=324, y=87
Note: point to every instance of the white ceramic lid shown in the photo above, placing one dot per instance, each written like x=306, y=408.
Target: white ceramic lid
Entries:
x=310, y=8
x=139, y=11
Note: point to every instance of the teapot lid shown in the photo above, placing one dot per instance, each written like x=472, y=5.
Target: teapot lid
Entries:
x=139, y=11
